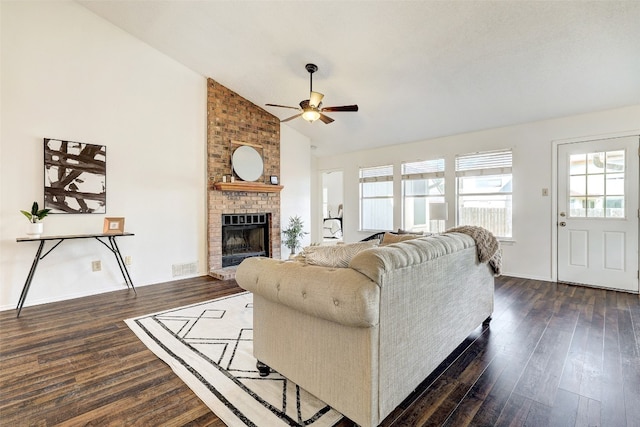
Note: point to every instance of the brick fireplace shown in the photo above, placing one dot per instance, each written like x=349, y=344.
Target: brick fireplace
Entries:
x=233, y=120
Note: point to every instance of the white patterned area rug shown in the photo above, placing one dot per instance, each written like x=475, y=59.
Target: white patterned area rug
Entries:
x=209, y=346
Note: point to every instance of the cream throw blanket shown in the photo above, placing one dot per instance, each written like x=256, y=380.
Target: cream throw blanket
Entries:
x=486, y=243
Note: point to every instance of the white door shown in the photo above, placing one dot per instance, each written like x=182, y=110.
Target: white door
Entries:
x=598, y=213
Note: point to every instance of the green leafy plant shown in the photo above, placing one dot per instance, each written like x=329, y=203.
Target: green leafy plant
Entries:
x=294, y=233
x=36, y=213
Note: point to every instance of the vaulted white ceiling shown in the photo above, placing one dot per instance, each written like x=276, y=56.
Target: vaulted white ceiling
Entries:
x=417, y=69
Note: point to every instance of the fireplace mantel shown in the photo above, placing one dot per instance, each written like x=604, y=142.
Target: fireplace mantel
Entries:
x=256, y=187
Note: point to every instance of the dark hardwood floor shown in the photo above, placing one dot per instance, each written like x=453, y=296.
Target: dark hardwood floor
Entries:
x=554, y=355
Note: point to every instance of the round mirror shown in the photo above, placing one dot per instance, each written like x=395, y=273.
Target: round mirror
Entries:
x=247, y=163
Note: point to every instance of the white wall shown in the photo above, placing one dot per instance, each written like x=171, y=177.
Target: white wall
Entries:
x=67, y=74
x=529, y=255
x=295, y=171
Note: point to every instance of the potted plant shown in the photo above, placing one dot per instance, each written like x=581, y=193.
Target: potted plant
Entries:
x=293, y=233
x=35, y=216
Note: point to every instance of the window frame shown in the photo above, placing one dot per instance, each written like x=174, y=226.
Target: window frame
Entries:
x=496, y=163
x=427, y=170
x=588, y=197
x=388, y=177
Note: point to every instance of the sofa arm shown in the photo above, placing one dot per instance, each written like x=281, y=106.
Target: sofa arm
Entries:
x=340, y=295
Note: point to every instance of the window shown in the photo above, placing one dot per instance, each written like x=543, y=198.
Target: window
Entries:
x=484, y=184
x=422, y=183
x=376, y=198
x=596, y=185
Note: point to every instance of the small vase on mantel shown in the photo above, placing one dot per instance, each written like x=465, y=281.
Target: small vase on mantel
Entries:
x=35, y=229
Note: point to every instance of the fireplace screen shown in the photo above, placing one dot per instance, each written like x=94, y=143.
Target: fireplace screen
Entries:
x=244, y=236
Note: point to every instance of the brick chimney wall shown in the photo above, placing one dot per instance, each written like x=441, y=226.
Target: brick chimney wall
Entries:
x=232, y=119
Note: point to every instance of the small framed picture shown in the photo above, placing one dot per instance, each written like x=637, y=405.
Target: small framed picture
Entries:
x=113, y=226
x=274, y=180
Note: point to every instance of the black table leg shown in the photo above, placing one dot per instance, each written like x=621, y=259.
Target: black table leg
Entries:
x=123, y=267
x=27, y=284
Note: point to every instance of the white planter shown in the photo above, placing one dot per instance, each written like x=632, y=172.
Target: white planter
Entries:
x=35, y=229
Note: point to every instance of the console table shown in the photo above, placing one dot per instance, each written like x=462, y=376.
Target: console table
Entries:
x=110, y=244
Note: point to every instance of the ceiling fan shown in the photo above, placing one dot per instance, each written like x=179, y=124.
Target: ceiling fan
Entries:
x=311, y=109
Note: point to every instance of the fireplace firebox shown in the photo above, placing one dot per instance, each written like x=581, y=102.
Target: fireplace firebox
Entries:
x=244, y=236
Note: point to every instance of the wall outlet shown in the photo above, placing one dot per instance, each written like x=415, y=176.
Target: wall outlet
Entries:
x=127, y=260
x=96, y=265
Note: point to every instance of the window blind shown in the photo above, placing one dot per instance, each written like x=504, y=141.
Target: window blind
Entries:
x=426, y=169
x=487, y=163
x=376, y=174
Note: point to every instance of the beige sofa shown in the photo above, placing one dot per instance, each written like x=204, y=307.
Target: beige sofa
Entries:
x=362, y=338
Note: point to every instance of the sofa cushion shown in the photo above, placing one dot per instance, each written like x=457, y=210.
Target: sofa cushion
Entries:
x=389, y=238
x=401, y=231
x=335, y=256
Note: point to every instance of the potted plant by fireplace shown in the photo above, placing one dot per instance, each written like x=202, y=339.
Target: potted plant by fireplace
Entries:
x=35, y=216
x=293, y=234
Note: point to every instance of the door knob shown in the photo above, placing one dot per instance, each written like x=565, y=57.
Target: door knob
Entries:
x=562, y=224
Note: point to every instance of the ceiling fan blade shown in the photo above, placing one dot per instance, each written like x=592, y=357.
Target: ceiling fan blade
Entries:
x=315, y=99
x=325, y=119
x=291, y=118
x=342, y=108
x=281, y=106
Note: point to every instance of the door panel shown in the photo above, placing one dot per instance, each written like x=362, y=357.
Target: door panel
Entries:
x=578, y=244
x=598, y=213
x=614, y=251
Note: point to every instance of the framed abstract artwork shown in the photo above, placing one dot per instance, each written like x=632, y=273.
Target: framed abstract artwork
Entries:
x=75, y=177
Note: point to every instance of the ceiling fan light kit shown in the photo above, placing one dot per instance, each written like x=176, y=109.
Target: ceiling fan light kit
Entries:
x=311, y=109
x=311, y=115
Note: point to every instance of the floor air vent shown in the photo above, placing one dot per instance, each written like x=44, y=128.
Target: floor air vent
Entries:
x=184, y=269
